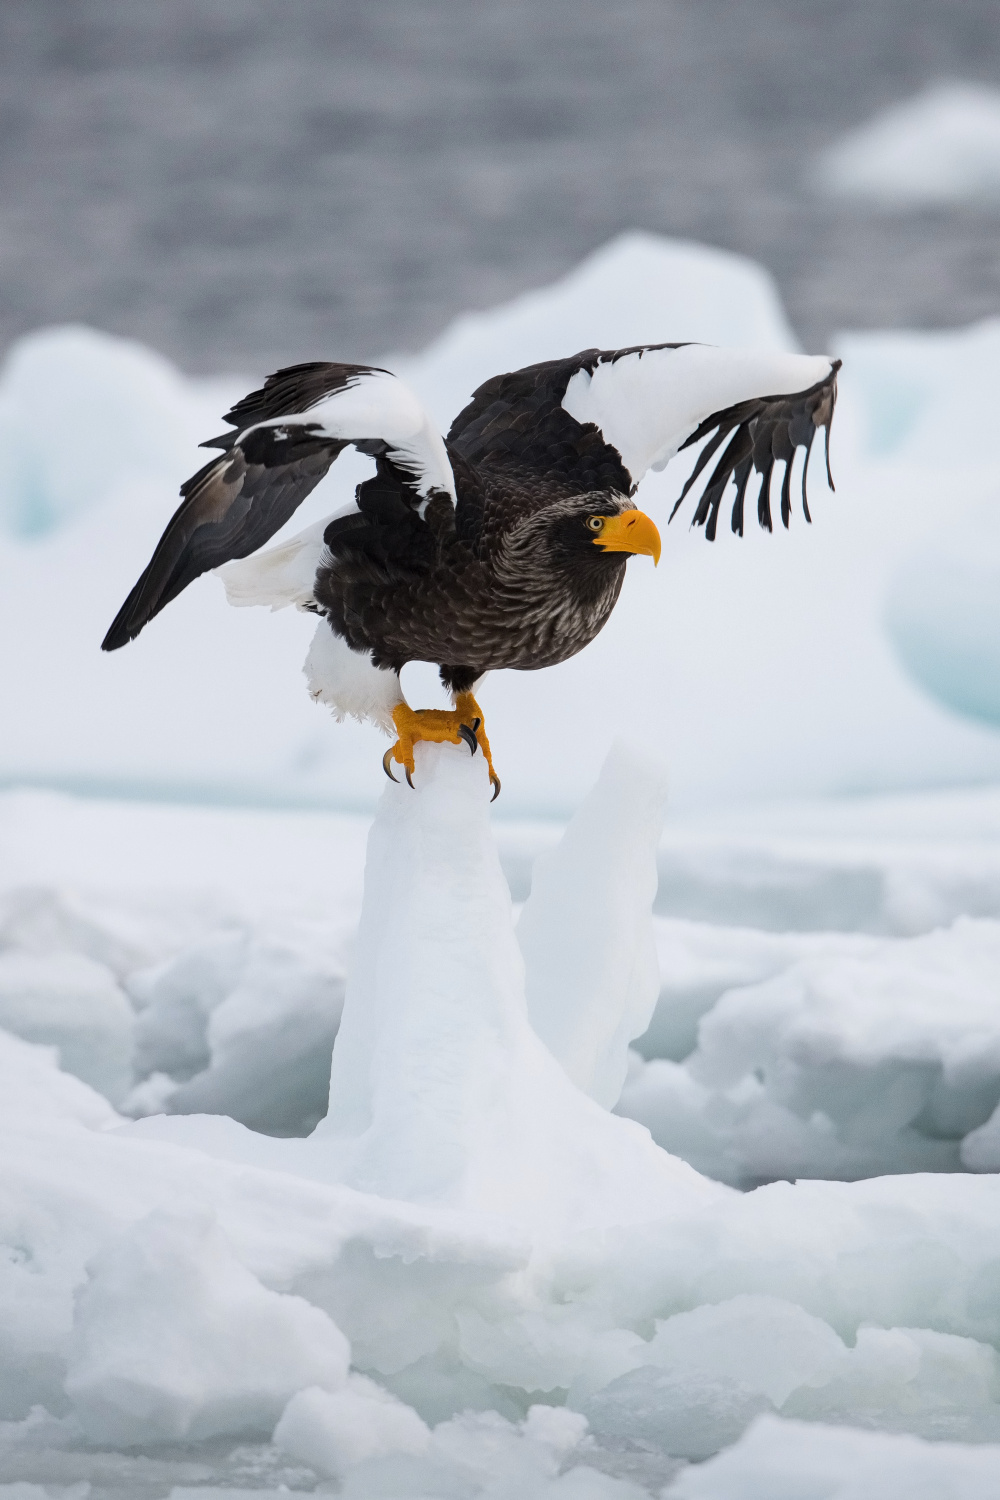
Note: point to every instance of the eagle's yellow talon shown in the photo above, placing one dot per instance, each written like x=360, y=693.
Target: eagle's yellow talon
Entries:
x=464, y=724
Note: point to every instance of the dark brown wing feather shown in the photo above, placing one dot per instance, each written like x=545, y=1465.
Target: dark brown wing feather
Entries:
x=237, y=502
x=231, y=507
x=761, y=433
x=516, y=423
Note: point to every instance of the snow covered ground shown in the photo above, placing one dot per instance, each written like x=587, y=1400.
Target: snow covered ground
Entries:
x=502, y=1336
x=467, y=1269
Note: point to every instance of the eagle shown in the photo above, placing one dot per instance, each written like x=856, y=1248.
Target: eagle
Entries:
x=504, y=544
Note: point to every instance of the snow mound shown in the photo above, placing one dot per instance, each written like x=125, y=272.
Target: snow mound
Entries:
x=862, y=1058
x=481, y=1232
x=796, y=1461
x=34, y=1085
x=242, y=1023
x=943, y=147
x=74, y=1004
x=331, y=1431
x=377, y=1446
x=493, y=1123
x=591, y=974
x=174, y=1339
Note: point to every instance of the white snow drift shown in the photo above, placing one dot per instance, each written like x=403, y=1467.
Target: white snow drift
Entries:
x=483, y=1235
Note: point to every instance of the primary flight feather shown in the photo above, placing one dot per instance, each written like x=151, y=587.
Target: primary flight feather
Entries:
x=503, y=545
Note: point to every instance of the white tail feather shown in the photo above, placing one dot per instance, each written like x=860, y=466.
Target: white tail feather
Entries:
x=280, y=576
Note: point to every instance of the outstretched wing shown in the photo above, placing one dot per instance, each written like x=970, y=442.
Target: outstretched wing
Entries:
x=287, y=436
x=601, y=419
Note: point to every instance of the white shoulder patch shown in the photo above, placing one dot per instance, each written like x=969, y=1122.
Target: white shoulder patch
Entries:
x=376, y=407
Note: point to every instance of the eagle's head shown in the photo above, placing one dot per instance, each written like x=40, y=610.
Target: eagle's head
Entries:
x=593, y=534
x=574, y=548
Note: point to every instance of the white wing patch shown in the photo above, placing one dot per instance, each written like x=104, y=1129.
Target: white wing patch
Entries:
x=376, y=407
x=647, y=404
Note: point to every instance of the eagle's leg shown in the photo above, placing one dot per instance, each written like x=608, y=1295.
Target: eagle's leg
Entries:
x=463, y=725
x=470, y=712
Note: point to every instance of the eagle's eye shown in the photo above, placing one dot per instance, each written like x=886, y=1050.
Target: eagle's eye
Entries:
x=595, y=523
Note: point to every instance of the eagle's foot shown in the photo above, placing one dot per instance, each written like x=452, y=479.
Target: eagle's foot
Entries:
x=472, y=714
x=463, y=725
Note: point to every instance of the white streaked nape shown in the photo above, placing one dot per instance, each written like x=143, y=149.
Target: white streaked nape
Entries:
x=647, y=405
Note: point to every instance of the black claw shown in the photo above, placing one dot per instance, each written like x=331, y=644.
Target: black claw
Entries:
x=385, y=763
x=469, y=737
x=496, y=785
x=409, y=778
x=476, y=725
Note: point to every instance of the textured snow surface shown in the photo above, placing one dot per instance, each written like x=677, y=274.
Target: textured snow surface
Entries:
x=779, y=1460
x=467, y=1269
x=832, y=658
x=857, y=1056
x=471, y=1279
x=942, y=147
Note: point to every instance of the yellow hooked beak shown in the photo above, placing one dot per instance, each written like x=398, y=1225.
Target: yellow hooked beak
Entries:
x=630, y=532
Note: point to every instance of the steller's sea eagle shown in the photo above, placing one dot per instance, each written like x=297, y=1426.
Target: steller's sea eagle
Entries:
x=503, y=545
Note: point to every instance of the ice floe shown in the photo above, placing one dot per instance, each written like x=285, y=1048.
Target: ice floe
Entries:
x=534, y=1298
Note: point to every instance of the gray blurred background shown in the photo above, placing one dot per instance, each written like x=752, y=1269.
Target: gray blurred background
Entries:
x=244, y=182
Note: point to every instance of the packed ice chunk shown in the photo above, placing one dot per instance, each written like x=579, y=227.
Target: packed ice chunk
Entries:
x=33, y=1084
x=936, y=1385
x=591, y=972
x=765, y=1344
x=82, y=411
x=699, y=962
x=866, y=1056
x=174, y=1339
x=74, y=1004
x=941, y=147
x=243, y=1022
x=331, y=1431
x=440, y=1090
x=480, y=1456
x=705, y=1373
x=58, y=916
x=686, y=1416
x=785, y=1460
